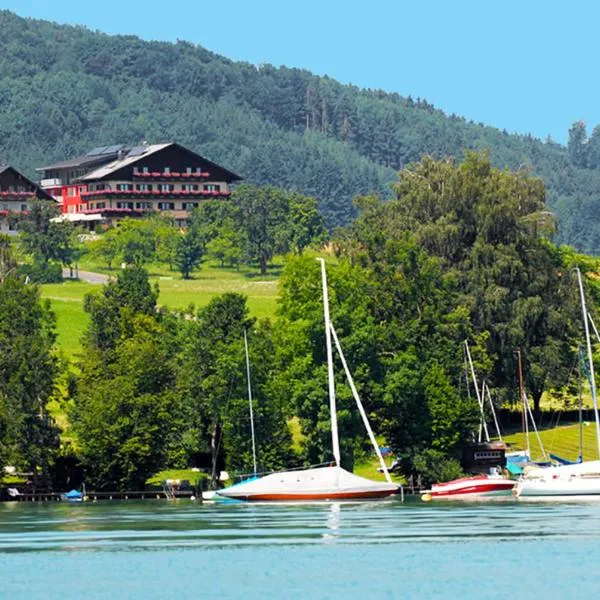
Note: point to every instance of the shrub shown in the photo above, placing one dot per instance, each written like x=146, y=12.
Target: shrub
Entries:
x=434, y=466
x=39, y=272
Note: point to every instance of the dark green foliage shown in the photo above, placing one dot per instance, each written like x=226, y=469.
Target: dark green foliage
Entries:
x=8, y=262
x=46, y=241
x=39, y=272
x=434, y=466
x=28, y=371
x=135, y=241
x=488, y=230
x=127, y=416
x=188, y=254
x=66, y=89
x=213, y=385
x=400, y=328
x=112, y=311
x=262, y=214
x=577, y=144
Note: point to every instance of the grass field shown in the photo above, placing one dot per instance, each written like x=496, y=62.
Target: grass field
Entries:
x=562, y=440
x=67, y=298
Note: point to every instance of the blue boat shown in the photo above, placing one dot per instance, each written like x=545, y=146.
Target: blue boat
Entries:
x=72, y=496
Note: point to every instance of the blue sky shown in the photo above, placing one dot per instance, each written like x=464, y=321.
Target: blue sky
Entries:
x=527, y=66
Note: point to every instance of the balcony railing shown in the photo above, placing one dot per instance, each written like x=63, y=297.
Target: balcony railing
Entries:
x=155, y=194
x=52, y=182
x=173, y=175
x=17, y=195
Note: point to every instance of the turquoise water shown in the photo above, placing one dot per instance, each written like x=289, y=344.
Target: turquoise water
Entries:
x=155, y=549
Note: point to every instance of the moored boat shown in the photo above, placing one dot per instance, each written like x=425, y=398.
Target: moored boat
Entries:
x=315, y=484
x=582, y=479
x=321, y=483
x=478, y=486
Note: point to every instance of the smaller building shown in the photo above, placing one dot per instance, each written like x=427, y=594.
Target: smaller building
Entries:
x=16, y=195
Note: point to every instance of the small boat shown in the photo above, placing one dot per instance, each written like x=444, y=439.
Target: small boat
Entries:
x=72, y=496
x=484, y=453
x=478, y=486
x=321, y=483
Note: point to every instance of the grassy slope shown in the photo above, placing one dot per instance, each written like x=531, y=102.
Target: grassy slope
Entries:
x=67, y=298
x=562, y=440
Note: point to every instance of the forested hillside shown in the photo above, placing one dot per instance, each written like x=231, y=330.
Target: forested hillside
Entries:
x=65, y=89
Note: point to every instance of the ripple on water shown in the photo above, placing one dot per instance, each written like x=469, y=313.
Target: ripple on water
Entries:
x=153, y=525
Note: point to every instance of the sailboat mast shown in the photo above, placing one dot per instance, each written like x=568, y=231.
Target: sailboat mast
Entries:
x=250, y=401
x=580, y=402
x=590, y=357
x=479, y=396
x=335, y=442
x=524, y=401
x=361, y=408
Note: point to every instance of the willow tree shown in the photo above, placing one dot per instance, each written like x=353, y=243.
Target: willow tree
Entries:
x=492, y=233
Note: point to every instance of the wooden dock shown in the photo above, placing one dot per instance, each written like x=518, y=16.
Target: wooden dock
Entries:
x=102, y=496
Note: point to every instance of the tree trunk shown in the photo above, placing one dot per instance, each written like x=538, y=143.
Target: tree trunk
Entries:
x=263, y=263
x=536, y=396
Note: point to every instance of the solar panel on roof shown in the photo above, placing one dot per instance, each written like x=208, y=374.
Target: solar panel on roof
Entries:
x=112, y=149
x=96, y=151
x=137, y=150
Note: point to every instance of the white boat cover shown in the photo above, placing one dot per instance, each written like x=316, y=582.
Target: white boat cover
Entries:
x=321, y=483
x=582, y=479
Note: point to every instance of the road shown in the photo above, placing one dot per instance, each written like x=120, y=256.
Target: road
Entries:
x=86, y=276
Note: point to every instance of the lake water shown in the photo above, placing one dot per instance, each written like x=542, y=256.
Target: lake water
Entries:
x=182, y=549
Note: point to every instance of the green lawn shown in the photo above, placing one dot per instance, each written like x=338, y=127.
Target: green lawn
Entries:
x=71, y=320
x=182, y=474
x=563, y=441
x=369, y=468
x=67, y=297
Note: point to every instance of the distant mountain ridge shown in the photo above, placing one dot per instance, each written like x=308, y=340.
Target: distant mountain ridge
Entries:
x=65, y=89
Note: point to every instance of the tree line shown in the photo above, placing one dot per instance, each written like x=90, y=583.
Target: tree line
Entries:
x=464, y=251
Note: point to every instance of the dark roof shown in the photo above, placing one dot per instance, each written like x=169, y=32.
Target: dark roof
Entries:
x=131, y=156
x=41, y=193
x=86, y=160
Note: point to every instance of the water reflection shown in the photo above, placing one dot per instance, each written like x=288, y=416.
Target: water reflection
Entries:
x=156, y=549
x=333, y=522
x=154, y=524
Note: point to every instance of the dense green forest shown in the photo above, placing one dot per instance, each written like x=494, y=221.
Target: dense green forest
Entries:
x=65, y=89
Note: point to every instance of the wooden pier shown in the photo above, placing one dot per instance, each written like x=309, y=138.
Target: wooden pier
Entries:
x=102, y=496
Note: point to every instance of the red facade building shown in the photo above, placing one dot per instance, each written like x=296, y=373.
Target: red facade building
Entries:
x=112, y=182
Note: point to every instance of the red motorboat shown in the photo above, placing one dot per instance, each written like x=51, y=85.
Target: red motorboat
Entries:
x=478, y=486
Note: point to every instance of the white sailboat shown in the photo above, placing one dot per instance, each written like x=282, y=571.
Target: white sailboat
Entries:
x=320, y=483
x=582, y=479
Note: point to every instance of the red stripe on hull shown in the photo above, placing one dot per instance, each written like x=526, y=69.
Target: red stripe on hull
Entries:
x=334, y=496
x=475, y=490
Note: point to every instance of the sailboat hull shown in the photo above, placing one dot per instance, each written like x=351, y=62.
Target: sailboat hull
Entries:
x=316, y=496
x=471, y=487
x=310, y=485
x=582, y=479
